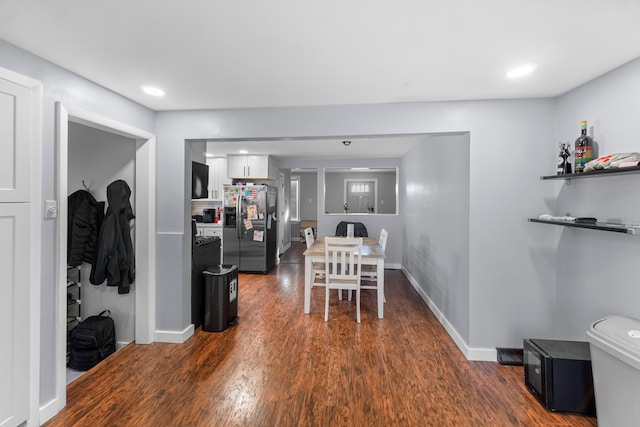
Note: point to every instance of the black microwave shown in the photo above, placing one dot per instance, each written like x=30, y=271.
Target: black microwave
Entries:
x=558, y=374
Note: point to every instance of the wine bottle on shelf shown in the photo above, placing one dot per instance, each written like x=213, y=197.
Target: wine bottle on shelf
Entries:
x=584, y=148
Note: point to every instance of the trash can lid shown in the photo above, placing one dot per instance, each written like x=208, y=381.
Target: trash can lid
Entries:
x=618, y=336
x=219, y=270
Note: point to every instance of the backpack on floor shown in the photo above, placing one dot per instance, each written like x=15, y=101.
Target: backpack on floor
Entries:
x=92, y=341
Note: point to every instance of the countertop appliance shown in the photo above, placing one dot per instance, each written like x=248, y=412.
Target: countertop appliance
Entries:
x=209, y=215
x=558, y=374
x=250, y=231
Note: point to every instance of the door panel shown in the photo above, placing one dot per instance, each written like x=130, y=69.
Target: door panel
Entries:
x=14, y=313
x=15, y=251
x=14, y=146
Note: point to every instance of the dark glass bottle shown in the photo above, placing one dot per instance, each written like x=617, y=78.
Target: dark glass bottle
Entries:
x=584, y=148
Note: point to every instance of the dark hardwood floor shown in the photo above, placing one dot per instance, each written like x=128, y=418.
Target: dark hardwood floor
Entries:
x=280, y=367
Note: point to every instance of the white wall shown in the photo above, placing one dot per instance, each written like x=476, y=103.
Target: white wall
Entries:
x=73, y=90
x=99, y=158
x=308, y=195
x=597, y=270
x=435, y=209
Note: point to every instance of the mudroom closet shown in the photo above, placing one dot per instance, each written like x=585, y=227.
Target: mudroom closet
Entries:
x=98, y=159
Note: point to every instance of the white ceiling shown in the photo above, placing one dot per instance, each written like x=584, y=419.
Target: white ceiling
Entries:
x=238, y=54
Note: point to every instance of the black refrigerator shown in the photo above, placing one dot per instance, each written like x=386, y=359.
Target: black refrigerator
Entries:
x=249, y=230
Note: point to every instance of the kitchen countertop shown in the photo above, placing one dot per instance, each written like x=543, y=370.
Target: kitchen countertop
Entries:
x=208, y=224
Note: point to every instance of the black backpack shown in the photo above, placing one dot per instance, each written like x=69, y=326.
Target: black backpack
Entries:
x=92, y=341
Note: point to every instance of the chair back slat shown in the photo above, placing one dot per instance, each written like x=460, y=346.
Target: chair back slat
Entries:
x=344, y=257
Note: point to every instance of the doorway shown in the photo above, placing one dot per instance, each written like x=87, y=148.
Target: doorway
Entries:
x=144, y=235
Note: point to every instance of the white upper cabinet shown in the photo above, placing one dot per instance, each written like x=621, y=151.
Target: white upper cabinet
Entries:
x=217, y=177
x=250, y=166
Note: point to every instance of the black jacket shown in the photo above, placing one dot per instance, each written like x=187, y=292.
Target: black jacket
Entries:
x=84, y=219
x=115, y=261
x=359, y=230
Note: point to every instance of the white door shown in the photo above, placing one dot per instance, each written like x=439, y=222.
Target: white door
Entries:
x=15, y=212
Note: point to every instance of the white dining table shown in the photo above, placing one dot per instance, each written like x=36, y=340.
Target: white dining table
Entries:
x=372, y=254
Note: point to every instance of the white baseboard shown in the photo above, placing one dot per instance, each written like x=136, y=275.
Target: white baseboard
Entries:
x=48, y=411
x=174, y=337
x=474, y=354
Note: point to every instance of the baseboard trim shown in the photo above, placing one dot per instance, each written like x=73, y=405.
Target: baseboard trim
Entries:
x=174, y=337
x=473, y=354
x=48, y=411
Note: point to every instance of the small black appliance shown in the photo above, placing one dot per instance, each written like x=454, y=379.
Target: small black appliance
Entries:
x=558, y=374
x=208, y=215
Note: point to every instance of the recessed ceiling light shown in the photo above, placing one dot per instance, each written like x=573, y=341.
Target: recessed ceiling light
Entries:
x=243, y=152
x=521, y=71
x=153, y=91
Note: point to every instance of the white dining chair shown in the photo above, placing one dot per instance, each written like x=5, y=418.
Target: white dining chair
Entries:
x=343, y=261
x=318, y=267
x=370, y=272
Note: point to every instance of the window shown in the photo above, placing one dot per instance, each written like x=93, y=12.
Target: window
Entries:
x=294, y=198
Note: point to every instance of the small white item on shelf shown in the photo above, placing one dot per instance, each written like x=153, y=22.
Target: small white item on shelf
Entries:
x=566, y=218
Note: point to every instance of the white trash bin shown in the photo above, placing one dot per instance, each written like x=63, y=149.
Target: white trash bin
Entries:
x=615, y=360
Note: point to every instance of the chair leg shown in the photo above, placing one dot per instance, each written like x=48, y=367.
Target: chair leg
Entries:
x=357, y=304
x=326, y=304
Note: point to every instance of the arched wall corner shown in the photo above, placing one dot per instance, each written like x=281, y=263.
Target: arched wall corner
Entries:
x=145, y=242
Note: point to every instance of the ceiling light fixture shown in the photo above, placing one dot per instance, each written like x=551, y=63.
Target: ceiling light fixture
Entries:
x=153, y=91
x=521, y=71
x=243, y=152
x=346, y=143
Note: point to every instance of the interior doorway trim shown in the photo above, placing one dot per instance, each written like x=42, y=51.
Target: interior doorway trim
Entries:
x=145, y=246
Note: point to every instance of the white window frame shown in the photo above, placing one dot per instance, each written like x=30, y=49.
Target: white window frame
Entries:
x=296, y=180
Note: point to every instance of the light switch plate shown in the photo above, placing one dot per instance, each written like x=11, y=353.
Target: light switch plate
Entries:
x=50, y=209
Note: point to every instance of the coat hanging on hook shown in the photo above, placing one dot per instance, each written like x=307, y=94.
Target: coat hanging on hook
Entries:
x=115, y=261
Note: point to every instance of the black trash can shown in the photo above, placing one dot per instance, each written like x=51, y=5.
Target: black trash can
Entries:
x=220, y=297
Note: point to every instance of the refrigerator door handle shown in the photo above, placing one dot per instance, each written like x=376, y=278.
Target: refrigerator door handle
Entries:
x=239, y=217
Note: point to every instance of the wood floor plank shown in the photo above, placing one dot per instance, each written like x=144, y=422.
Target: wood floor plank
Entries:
x=280, y=367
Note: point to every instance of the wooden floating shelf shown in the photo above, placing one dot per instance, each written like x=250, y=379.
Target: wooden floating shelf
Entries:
x=603, y=226
x=591, y=174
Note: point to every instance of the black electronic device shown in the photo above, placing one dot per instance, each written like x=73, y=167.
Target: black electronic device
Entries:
x=208, y=215
x=199, y=180
x=558, y=374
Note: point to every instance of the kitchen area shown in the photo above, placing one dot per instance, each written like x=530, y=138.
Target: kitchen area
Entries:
x=233, y=218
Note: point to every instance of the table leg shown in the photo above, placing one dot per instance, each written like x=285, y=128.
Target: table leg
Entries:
x=380, y=287
x=308, y=276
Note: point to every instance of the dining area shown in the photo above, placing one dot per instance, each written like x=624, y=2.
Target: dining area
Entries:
x=349, y=261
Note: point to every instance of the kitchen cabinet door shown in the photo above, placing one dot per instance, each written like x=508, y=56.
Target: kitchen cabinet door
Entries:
x=248, y=167
x=217, y=177
x=236, y=166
